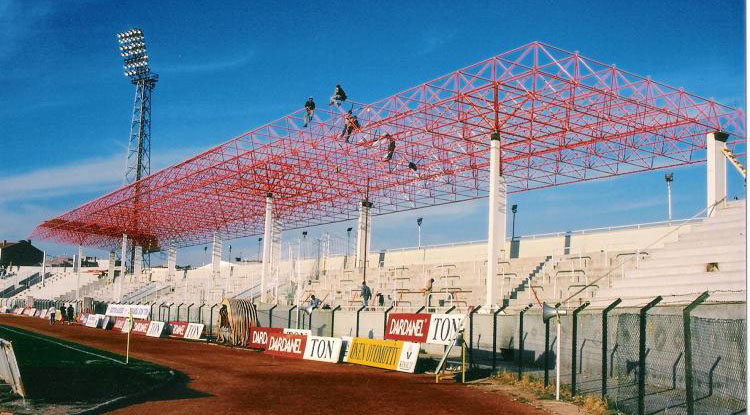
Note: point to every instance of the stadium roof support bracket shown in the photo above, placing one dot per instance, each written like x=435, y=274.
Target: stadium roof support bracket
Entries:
x=563, y=119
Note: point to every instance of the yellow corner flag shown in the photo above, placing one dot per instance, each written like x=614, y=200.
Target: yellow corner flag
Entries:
x=130, y=328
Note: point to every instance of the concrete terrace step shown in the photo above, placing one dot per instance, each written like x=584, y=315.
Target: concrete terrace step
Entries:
x=707, y=278
x=721, y=237
x=657, y=269
x=663, y=290
x=703, y=252
x=707, y=228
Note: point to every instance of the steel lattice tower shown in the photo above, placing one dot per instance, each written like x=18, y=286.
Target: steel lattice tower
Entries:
x=136, y=68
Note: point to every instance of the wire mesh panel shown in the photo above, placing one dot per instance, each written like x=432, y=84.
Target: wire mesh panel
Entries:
x=719, y=365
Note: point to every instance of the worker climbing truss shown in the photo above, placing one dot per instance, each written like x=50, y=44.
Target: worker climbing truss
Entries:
x=562, y=118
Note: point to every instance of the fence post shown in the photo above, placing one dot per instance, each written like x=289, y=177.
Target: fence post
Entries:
x=211, y=320
x=358, y=311
x=642, y=355
x=309, y=320
x=494, y=336
x=689, y=350
x=333, y=317
x=270, y=315
x=188, y=312
x=605, y=346
x=289, y=317
x=574, y=352
x=178, y=311
x=385, y=319
x=471, y=334
x=546, y=353
x=200, y=312
x=448, y=311
x=160, y=306
x=420, y=309
x=520, y=340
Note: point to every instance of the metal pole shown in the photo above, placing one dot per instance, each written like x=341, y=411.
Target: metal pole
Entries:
x=558, y=359
x=333, y=317
x=356, y=332
x=211, y=321
x=520, y=342
x=574, y=352
x=419, y=236
x=689, y=351
x=270, y=315
x=494, y=337
x=546, y=353
x=471, y=334
x=605, y=346
x=642, y=356
x=385, y=318
x=289, y=317
x=266, y=266
x=669, y=200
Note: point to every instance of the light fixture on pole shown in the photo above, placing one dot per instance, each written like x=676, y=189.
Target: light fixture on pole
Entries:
x=419, y=233
x=513, y=209
x=547, y=313
x=669, y=178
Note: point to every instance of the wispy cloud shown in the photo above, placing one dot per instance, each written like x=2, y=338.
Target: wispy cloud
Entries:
x=432, y=41
x=84, y=176
x=213, y=66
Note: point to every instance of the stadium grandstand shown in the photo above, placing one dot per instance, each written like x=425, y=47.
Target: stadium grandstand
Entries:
x=533, y=117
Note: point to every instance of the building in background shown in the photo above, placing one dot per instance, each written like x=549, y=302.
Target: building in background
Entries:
x=20, y=253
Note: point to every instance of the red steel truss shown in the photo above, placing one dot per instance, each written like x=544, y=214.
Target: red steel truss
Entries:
x=563, y=119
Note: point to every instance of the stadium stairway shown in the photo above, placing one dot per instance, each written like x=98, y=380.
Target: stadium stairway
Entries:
x=708, y=256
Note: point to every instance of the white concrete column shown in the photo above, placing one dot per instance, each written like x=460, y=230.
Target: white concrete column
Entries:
x=138, y=262
x=216, y=256
x=267, y=244
x=716, y=169
x=123, y=267
x=111, y=266
x=496, y=219
x=364, y=225
x=44, y=266
x=171, y=261
x=78, y=272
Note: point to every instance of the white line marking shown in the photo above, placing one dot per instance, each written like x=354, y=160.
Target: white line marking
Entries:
x=61, y=344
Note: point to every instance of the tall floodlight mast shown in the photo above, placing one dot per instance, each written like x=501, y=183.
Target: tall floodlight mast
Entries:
x=136, y=68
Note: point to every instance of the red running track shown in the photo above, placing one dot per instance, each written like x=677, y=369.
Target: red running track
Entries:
x=236, y=381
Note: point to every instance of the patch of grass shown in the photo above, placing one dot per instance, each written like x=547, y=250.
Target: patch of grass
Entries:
x=593, y=405
x=57, y=371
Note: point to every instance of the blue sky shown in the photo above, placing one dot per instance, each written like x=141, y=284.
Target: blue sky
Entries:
x=226, y=69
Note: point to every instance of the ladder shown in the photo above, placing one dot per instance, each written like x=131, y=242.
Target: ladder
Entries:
x=729, y=155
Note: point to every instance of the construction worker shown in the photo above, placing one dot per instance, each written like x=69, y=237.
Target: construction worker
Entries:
x=309, y=110
x=350, y=123
x=338, y=97
x=391, y=147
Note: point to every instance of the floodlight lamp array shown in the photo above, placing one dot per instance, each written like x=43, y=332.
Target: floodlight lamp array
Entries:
x=133, y=49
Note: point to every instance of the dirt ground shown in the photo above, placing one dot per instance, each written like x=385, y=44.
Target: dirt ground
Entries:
x=235, y=381
x=548, y=406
